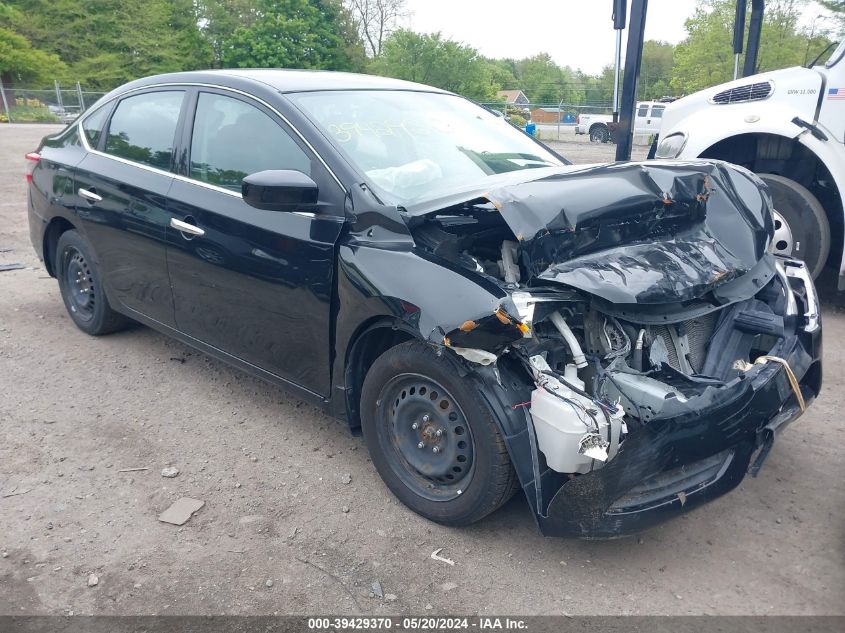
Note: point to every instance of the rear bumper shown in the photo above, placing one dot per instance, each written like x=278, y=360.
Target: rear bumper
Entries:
x=37, y=225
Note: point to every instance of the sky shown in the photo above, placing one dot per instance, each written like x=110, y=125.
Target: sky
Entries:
x=576, y=33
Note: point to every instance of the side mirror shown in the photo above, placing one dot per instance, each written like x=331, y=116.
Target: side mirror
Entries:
x=279, y=190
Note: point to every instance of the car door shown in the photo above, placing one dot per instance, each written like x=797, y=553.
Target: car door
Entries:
x=122, y=186
x=253, y=283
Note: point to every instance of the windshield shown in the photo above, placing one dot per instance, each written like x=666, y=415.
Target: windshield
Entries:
x=414, y=146
x=837, y=55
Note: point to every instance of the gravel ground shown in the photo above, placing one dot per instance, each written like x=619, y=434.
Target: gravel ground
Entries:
x=295, y=518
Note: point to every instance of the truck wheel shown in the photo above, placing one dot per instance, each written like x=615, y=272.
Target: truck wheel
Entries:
x=432, y=437
x=801, y=226
x=599, y=134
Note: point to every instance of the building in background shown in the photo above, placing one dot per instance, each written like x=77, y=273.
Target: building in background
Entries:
x=547, y=115
x=513, y=97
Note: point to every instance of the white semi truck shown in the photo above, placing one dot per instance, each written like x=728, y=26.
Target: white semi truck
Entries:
x=787, y=126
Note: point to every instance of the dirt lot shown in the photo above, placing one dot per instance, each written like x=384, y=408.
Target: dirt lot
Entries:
x=275, y=535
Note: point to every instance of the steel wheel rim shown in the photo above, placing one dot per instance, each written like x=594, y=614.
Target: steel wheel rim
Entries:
x=79, y=281
x=783, y=242
x=436, y=466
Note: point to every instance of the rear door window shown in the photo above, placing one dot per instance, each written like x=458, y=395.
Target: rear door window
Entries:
x=143, y=128
x=232, y=139
x=643, y=110
x=657, y=112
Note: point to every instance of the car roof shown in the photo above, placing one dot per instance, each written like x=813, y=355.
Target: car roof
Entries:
x=290, y=80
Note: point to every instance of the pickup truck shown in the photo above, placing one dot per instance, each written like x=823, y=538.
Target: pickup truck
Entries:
x=646, y=122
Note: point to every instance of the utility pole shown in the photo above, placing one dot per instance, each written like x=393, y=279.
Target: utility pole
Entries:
x=633, y=62
x=739, y=34
x=619, y=9
x=755, y=27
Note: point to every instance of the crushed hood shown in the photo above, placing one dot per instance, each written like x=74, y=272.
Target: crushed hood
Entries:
x=641, y=233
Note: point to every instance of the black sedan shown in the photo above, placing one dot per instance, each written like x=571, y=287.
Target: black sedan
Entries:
x=615, y=340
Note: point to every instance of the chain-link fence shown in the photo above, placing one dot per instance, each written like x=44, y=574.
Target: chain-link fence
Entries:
x=551, y=120
x=59, y=105
x=562, y=121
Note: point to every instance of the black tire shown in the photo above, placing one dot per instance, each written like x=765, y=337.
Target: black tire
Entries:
x=82, y=289
x=471, y=475
x=599, y=134
x=806, y=235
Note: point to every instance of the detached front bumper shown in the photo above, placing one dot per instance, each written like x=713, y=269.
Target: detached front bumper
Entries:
x=671, y=466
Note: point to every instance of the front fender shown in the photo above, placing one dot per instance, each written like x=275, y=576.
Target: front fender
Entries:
x=832, y=156
x=703, y=134
x=795, y=93
x=424, y=296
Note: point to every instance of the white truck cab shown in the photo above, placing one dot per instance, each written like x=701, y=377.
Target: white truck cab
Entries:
x=648, y=117
x=787, y=126
x=647, y=120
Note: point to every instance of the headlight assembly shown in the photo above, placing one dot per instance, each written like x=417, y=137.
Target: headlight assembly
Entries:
x=671, y=146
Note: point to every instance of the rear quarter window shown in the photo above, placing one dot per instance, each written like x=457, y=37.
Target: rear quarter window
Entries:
x=93, y=126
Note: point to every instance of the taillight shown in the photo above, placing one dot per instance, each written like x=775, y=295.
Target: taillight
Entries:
x=578, y=119
x=32, y=160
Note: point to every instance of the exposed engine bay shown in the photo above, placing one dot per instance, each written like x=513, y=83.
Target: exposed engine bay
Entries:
x=653, y=299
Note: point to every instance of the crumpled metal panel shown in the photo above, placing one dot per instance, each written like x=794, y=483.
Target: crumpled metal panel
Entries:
x=641, y=233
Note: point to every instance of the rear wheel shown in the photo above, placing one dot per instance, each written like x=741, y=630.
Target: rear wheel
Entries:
x=599, y=134
x=802, y=229
x=432, y=438
x=81, y=286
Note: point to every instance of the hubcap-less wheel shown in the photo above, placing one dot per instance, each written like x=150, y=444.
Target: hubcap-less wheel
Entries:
x=801, y=227
x=80, y=283
x=782, y=243
x=426, y=437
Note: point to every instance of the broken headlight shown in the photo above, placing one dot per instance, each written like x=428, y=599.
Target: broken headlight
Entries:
x=671, y=146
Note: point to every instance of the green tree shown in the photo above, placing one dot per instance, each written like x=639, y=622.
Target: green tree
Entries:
x=20, y=63
x=540, y=78
x=431, y=59
x=656, y=70
x=600, y=87
x=108, y=42
x=219, y=19
x=705, y=58
x=502, y=73
x=294, y=34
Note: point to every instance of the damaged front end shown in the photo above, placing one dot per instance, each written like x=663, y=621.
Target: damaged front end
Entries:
x=647, y=345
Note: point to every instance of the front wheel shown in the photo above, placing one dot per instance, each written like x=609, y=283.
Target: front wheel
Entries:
x=432, y=437
x=802, y=229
